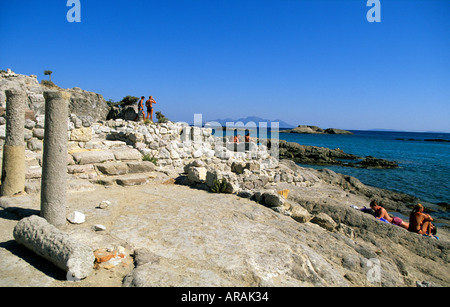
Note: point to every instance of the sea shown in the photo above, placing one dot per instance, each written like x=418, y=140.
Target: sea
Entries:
x=423, y=159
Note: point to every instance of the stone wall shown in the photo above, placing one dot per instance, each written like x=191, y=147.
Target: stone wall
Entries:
x=178, y=144
x=177, y=147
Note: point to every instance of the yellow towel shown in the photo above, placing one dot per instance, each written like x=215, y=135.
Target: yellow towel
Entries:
x=284, y=193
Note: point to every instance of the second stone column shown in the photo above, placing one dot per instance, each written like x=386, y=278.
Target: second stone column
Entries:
x=54, y=165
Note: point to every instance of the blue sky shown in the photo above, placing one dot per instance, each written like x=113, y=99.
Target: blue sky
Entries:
x=316, y=62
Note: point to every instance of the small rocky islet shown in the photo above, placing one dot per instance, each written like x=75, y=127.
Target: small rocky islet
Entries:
x=305, y=154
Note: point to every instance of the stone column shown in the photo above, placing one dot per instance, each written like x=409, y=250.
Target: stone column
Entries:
x=59, y=248
x=54, y=166
x=13, y=168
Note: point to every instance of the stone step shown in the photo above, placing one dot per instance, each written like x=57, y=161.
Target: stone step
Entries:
x=91, y=156
x=91, y=171
x=122, y=168
x=126, y=180
x=81, y=156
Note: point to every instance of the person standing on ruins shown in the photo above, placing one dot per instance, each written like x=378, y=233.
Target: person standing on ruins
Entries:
x=149, y=104
x=140, y=109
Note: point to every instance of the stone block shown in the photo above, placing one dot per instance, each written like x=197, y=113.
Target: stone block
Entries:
x=33, y=172
x=324, y=221
x=131, y=180
x=196, y=174
x=80, y=169
x=112, y=144
x=140, y=167
x=112, y=168
x=127, y=154
x=92, y=157
x=300, y=214
x=38, y=133
x=83, y=134
x=273, y=199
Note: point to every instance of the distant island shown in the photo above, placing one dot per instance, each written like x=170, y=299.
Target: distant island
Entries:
x=254, y=119
x=315, y=130
x=437, y=140
x=425, y=140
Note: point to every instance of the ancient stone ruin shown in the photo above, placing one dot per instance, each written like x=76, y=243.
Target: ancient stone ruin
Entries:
x=63, y=151
x=54, y=160
x=13, y=170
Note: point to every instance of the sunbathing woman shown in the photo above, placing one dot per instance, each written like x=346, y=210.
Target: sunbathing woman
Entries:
x=420, y=222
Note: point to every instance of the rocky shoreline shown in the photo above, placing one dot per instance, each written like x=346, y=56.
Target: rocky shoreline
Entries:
x=192, y=209
x=304, y=154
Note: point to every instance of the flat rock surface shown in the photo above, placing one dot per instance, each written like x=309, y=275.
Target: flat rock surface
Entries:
x=196, y=238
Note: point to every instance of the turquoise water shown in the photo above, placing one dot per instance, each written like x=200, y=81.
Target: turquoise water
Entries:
x=424, y=166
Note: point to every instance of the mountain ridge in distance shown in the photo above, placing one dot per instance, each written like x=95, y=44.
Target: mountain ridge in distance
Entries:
x=254, y=119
